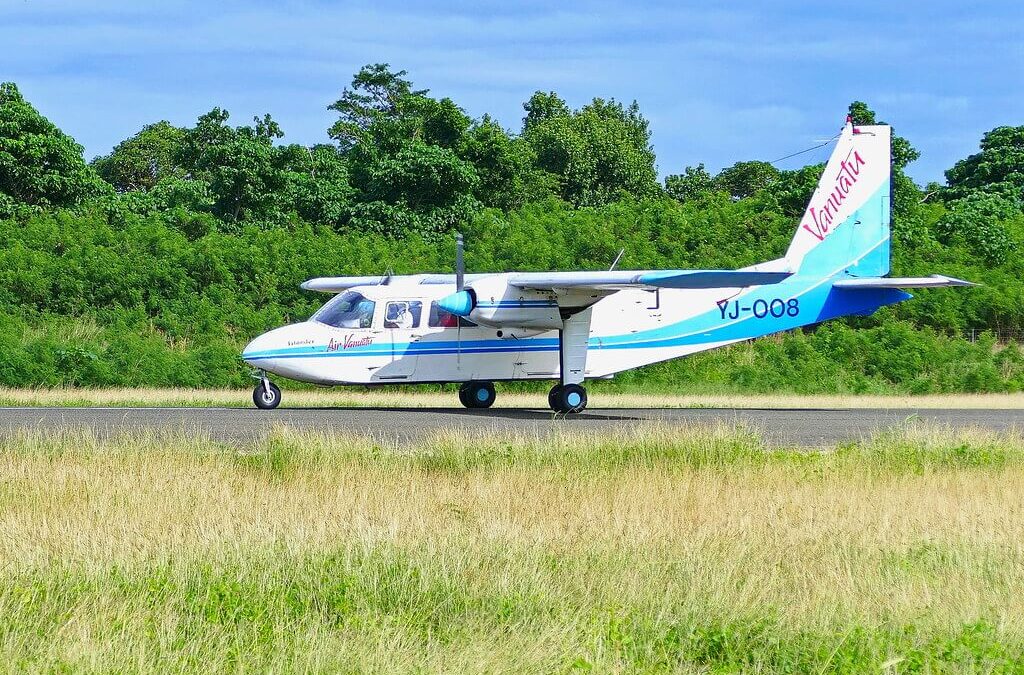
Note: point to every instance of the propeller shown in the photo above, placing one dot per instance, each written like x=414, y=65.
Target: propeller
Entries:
x=459, y=303
x=460, y=263
x=460, y=280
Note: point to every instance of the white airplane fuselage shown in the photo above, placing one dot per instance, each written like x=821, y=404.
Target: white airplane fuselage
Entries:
x=316, y=352
x=628, y=329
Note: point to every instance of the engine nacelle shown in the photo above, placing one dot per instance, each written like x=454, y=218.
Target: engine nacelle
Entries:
x=491, y=301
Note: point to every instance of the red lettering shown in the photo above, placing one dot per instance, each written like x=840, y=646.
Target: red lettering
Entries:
x=351, y=341
x=859, y=164
x=818, y=236
x=824, y=216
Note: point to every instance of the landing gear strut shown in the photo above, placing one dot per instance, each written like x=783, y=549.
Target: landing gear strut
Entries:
x=477, y=394
x=569, y=396
x=266, y=395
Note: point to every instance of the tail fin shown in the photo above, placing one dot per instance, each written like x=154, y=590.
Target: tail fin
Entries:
x=846, y=225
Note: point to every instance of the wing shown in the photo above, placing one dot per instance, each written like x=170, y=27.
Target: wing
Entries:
x=649, y=279
x=339, y=284
x=933, y=281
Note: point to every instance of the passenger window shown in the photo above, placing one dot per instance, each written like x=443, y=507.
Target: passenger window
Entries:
x=442, y=319
x=403, y=314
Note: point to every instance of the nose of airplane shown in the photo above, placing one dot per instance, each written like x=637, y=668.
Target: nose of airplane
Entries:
x=257, y=352
x=282, y=351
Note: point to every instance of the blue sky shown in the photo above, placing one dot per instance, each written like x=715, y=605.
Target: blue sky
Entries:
x=719, y=82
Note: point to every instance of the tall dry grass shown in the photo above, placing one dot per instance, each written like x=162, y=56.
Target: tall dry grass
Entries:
x=652, y=549
x=430, y=397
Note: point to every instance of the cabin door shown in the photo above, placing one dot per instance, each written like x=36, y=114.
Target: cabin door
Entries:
x=402, y=325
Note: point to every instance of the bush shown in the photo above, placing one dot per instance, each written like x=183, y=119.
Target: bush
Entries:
x=108, y=296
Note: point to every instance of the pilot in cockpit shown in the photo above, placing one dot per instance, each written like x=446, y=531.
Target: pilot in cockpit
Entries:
x=398, y=316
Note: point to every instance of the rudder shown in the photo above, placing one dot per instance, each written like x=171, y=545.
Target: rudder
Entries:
x=847, y=222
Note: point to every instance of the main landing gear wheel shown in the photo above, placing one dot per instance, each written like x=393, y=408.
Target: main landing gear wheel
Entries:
x=552, y=394
x=568, y=398
x=477, y=394
x=266, y=395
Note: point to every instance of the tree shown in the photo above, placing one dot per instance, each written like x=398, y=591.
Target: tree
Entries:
x=143, y=160
x=596, y=153
x=692, y=184
x=430, y=182
x=744, y=179
x=243, y=168
x=318, y=185
x=39, y=164
x=998, y=168
x=543, y=107
x=977, y=222
x=402, y=151
x=504, y=166
x=792, y=190
x=376, y=92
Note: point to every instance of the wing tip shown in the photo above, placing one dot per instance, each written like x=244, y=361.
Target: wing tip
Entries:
x=953, y=281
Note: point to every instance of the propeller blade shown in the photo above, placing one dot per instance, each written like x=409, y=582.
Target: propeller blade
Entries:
x=460, y=273
x=460, y=264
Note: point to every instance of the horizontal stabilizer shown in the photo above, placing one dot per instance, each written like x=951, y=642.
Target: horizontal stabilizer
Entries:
x=934, y=281
x=712, y=278
x=616, y=280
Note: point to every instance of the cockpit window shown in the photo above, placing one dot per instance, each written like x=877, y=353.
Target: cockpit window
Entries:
x=346, y=310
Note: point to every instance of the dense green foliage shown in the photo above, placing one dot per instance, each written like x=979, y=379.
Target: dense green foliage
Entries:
x=155, y=263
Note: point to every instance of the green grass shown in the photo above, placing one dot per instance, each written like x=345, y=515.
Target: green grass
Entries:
x=656, y=549
x=445, y=396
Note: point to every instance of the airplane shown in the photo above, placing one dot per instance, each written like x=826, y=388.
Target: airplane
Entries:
x=478, y=329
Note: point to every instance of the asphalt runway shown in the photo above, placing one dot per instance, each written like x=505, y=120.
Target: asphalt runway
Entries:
x=786, y=427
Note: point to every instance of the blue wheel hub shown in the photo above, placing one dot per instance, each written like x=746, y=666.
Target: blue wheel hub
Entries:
x=481, y=394
x=573, y=399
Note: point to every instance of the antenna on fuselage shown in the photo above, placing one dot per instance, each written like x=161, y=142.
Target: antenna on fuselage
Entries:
x=617, y=259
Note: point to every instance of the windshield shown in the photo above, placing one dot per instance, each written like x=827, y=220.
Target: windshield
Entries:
x=347, y=310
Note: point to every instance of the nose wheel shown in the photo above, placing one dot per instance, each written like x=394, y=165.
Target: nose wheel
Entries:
x=567, y=398
x=266, y=395
x=477, y=394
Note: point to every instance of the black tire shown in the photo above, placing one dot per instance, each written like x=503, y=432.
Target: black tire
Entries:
x=464, y=395
x=551, y=396
x=570, y=399
x=266, y=401
x=477, y=394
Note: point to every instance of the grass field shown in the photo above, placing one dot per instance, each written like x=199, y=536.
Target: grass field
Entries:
x=652, y=550
x=432, y=397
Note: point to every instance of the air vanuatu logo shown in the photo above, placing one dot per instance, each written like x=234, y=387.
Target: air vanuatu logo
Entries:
x=823, y=217
x=349, y=342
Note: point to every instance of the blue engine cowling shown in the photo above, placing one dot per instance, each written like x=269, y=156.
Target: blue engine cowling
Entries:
x=491, y=301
